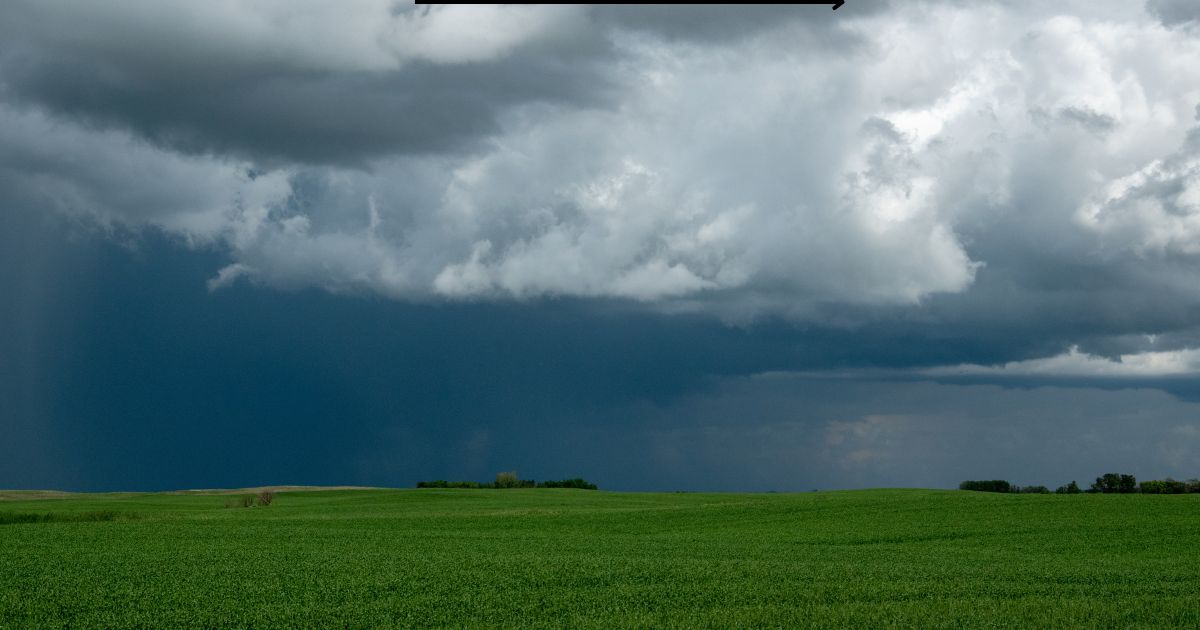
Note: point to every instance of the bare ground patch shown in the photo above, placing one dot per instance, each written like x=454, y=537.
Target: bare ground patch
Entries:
x=32, y=495
x=257, y=489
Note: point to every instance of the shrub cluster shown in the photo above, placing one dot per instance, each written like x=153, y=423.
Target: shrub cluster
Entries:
x=442, y=483
x=991, y=485
x=1169, y=486
x=1108, y=483
x=568, y=483
x=509, y=480
x=1000, y=485
x=19, y=518
x=264, y=498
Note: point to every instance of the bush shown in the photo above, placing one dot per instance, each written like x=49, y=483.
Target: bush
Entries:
x=442, y=483
x=1163, y=486
x=21, y=518
x=1032, y=490
x=1071, y=488
x=993, y=485
x=508, y=480
x=568, y=483
x=242, y=501
x=266, y=497
x=1154, y=486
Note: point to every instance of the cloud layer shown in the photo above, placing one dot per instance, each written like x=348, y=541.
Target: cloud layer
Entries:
x=850, y=168
x=1074, y=363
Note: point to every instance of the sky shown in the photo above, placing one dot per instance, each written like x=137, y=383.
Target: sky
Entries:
x=718, y=247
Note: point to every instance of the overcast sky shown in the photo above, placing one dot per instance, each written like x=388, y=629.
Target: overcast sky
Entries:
x=661, y=247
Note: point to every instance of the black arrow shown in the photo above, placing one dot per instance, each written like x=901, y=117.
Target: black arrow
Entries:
x=836, y=3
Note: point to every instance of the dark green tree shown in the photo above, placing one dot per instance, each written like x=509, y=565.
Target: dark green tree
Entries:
x=986, y=485
x=1113, y=482
x=1071, y=488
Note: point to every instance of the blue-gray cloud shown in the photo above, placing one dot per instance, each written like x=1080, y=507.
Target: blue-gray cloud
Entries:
x=1174, y=12
x=688, y=160
x=965, y=192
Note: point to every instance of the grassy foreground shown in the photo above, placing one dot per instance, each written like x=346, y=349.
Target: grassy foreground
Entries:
x=571, y=558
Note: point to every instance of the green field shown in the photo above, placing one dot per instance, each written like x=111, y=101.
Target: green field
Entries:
x=573, y=558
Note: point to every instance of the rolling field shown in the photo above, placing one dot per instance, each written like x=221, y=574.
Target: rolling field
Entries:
x=571, y=558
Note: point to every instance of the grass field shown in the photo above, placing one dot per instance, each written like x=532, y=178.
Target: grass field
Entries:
x=572, y=558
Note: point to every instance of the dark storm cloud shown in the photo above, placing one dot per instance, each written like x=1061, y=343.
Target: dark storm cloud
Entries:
x=412, y=242
x=799, y=433
x=206, y=89
x=1174, y=12
x=125, y=377
x=290, y=114
x=693, y=159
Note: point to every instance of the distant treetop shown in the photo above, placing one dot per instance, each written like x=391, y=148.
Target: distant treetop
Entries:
x=510, y=480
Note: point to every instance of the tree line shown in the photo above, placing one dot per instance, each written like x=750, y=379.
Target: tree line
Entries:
x=1108, y=483
x=510, y=480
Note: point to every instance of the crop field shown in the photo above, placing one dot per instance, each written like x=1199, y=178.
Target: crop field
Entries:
x=574, y=558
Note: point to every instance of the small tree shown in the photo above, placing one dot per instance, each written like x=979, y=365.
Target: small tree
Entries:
x=508, y=480
x=1106, y=483
x=1071, y=488
x=266, y=497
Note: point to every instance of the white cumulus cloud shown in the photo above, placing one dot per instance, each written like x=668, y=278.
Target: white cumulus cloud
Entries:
x=1074, y=363
x=740, y=176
